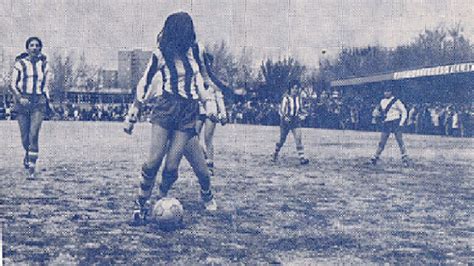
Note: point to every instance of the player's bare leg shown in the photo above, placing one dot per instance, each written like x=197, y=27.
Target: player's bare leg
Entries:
x=297, y=134
x=380, y=148
x=178, y=142
x=209, y=129
x=36, y=120
x=283, y=134
x=403, y=150
x=195, y=156
x=158, y=149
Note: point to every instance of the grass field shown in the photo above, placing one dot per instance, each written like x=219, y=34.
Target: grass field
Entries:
x=332, y=211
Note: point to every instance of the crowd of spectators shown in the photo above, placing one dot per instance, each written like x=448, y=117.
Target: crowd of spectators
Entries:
x=326, y=110
x=88, y=112
x=331, y=110
x=78, y=112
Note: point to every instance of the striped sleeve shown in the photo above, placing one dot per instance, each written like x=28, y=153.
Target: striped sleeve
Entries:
x=48, y=76
x=283, y=106
x=302, y=107
x=15, y=79
x=144, y=85
x=202, y=78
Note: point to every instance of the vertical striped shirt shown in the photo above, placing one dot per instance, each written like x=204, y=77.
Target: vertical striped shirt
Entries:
x=291, y=106
x=31, y=76
x=187, y=78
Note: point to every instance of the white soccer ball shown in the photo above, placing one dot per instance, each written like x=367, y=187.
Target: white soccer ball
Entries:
x=167, y=212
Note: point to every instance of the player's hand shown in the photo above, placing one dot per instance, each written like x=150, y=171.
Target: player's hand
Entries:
x=132, y=113
x=49, y=107
x=129, y=124
x=23, y=101
x=302, y=116
x=224, y=121
x=131, y=118
x=128, y=128
x=222, y=117
x=213, y=118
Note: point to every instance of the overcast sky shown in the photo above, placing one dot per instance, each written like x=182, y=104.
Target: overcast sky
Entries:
x=271, y=28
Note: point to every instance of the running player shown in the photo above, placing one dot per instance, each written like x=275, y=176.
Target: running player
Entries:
x=30, y=88
x=291, y=114
x=392, y=113
x=175, y=110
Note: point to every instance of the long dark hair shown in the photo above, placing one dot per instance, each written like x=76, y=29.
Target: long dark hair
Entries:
x=174, y=42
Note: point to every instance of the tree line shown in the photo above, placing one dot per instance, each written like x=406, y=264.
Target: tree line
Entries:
x=432, y=47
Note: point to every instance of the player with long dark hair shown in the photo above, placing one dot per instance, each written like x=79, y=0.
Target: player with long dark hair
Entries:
x=30, y=88
x=176, y=63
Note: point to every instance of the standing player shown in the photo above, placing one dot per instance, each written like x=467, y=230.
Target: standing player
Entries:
x=392, y=113
x=30, y=88
x=291, y=115
x=175, y=110
x=209, y=123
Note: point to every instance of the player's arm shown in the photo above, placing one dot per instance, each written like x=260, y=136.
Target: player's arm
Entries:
x=205, y=91
x=15, y=78
x=143, y=92
x=403, y=111
x=377, y=112
x=303, y=112
x=48, y=77
x=221, y=110
x=283, y=108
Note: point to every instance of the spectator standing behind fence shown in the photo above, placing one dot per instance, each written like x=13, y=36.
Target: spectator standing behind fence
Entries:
x=354, y=116
x=436, y=114
x=412, y=119
x=455, y=124
x=448, y=120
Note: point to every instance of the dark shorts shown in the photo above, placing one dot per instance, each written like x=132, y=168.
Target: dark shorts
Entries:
x=294, y=122
x=391, y=126
x=202, y=117
x=175, y=113
x=37, y=104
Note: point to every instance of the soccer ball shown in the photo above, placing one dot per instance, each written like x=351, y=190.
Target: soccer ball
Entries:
x=167, y=213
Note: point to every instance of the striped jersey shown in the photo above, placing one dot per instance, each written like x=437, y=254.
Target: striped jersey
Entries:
x=187, y=78
x=291, y=106
x=31, y=76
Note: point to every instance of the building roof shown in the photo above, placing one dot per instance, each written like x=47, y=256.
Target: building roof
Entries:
x=100, y=90
x=407, y=74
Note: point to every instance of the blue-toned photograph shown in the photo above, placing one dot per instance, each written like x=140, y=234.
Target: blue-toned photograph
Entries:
x=236, y=132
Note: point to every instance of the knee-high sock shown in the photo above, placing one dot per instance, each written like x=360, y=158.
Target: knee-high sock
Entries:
x=32, y=156
x=147, y=182
x=300, y=150
x=167, y=180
